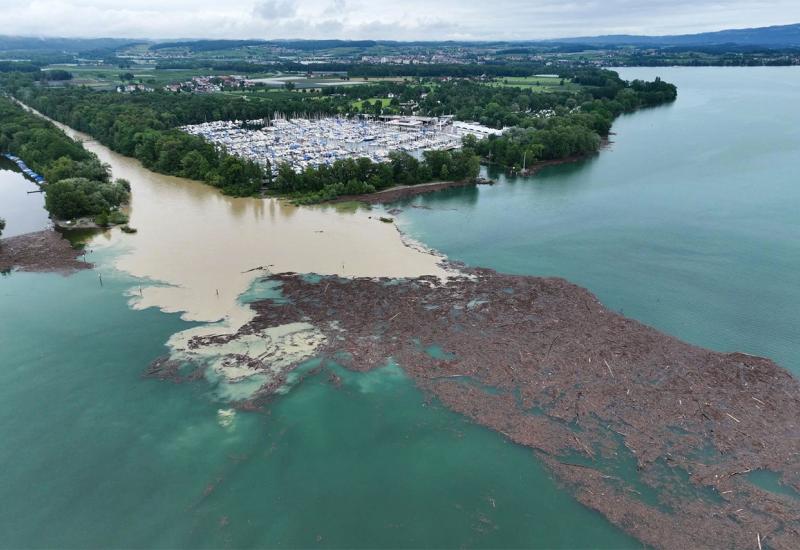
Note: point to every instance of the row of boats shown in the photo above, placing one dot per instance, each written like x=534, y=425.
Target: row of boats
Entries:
x=304, y=142
x=25, y=169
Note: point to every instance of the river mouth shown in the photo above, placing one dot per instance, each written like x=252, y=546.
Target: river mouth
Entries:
x=185, y=293
x=204, y=249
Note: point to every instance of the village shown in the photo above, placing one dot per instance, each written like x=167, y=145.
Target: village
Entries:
x=302, y=142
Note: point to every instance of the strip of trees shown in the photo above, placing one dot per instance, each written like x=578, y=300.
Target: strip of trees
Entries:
x=144, y=126
x=78, y=183
x=358, y=176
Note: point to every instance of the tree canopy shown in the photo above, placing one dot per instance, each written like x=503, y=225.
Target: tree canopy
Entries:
x=76, y=197
x=78, y=183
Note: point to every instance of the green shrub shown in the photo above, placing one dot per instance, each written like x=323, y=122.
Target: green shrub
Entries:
x=117, y=218
x=101, y=220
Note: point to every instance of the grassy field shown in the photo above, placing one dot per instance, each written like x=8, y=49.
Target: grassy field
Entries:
x=108, y=76
x=385, y=102
x=537, y=83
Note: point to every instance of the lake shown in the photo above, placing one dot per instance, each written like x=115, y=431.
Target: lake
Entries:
x=687, y=223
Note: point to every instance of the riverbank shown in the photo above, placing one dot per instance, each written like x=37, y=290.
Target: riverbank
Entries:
x=403, y=192
x=87, y=223
x=532, y=170
x=543, y=362
x=42, y=251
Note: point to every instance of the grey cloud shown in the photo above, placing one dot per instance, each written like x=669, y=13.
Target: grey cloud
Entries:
x=337, y=8
x=276, y=9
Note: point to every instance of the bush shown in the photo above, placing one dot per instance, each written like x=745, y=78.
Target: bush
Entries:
x=117, y=218
x=101, y=220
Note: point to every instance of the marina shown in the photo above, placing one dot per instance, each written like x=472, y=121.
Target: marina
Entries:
x=39, y=179
x=302, y=142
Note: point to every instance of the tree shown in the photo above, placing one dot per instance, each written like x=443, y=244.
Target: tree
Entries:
x=65, y=167
x=78, y=197
x=469, y=142
x=194, y=166
x=2, y=225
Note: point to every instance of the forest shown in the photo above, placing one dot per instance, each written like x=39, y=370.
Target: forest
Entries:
x=39, y=143
x=575, y=127
x=144, y=126
x=78, y=184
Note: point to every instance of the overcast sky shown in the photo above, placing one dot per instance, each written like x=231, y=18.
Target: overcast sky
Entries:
x=387, y=19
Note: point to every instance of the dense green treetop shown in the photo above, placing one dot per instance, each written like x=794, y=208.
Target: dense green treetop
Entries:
x=357, y=176
x=78, y=183
x=76, y=197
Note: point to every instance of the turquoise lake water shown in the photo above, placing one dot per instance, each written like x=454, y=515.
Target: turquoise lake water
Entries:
x=95, y=455
x=688, y=223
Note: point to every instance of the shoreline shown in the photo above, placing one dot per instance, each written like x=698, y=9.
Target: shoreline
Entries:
x=220, y=239
x=605, y=143
x=401, y=192
x=44, y=251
